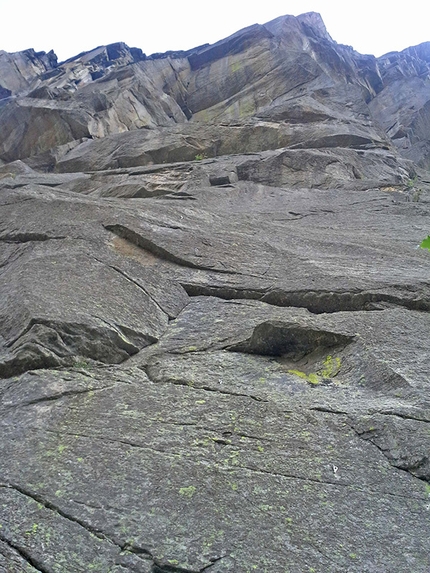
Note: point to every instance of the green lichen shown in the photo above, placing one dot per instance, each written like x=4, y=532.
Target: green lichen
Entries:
x=331, y=367
x=312, y=378
x=188, y=491
x=298, y=373
x=33, y=529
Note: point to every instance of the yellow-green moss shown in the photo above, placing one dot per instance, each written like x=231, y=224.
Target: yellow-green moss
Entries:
x=188, y=491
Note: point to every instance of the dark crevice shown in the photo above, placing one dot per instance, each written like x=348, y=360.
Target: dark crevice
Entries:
x=126, y=344
x=224, y=292
x=404, y=416
x=327, y=410
x=160, y=567
x=25, y=555
x=137, y=550
x=212, y=563
x=409, y=469
x=291, y=340
x=28, y=237
x=160, y=252
x=317, y=302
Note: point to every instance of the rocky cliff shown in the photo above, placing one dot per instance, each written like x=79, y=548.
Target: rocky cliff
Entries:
x=214, y=311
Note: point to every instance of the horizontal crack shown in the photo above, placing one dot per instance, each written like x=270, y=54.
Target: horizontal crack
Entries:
x=372, y=411
x=224, y=292
x=327, y=410
x=28, y=237
x=317, y=302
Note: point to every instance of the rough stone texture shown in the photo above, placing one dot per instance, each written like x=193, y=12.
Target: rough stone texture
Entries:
x=214, y=311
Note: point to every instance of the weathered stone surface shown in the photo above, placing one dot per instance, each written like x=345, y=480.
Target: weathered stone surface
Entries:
x=214, y=311
x=403, y=106
x=19, y=70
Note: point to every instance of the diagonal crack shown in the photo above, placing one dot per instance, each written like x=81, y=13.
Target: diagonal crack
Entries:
x=90, y=529
x=49, y=505
x=213, y=562
x=160, y=252
x=403, y=416
x=158, y=566
x=352, y=486
x=186, y=383
x=139, y=286
x=391, y=461
x=64, y=394
x=361, y=435
x=24, y=554
x=111, y=441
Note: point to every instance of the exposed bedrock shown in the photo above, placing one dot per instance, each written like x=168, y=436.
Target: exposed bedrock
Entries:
x=214, y=308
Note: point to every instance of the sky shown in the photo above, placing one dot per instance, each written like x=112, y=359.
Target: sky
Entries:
x=370, y=27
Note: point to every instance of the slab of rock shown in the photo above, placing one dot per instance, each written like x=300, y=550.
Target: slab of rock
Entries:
x=214, y=308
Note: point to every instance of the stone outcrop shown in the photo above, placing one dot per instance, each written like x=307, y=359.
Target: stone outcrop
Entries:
x=214, y=310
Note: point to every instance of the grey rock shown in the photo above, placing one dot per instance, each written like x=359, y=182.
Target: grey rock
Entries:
x=214, y=310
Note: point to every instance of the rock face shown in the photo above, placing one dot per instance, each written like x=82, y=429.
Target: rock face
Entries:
x=214, y=313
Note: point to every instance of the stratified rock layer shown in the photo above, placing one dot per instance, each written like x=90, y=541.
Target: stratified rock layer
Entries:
x=214, y=311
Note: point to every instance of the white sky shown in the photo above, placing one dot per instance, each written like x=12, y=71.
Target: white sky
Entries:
x=370, y=26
